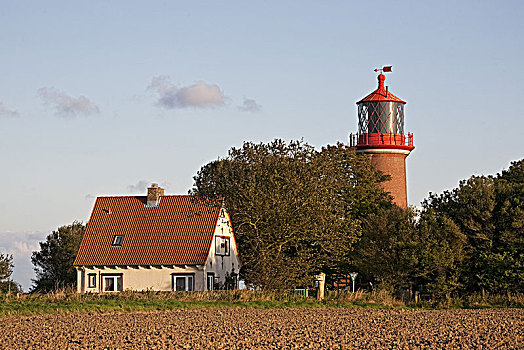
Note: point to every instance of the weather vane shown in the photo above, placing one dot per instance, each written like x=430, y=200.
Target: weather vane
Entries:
x=384, y=69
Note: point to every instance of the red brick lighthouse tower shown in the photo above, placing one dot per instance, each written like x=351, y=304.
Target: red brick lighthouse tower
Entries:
x=381, y=135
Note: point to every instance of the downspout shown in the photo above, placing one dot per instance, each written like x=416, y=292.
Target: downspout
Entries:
x=83, y=279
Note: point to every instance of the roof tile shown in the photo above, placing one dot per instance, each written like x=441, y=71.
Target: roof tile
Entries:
x=178, y=231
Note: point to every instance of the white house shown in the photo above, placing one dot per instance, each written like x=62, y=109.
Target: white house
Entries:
x=158, y=242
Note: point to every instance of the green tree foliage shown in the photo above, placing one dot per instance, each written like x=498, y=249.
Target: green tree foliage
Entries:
x=465, y=240
x=53, y=264
x=507, y=258
x=6, y=270
x=387, y=251
x=440, y=253
x=398, y=252
x=489, y=212
x=296, y=211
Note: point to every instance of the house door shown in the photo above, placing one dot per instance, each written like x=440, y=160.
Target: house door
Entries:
x=210, y=281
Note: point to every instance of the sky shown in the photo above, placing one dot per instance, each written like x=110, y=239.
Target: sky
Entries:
x=105, y=97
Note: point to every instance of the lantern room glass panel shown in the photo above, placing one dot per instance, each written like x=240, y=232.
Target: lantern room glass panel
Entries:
x=381, y=117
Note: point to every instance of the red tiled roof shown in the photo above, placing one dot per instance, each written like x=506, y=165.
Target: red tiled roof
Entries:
x=178, y=231
x=381, y=94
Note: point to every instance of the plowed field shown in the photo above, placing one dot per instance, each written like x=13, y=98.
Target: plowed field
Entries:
x=248, y=328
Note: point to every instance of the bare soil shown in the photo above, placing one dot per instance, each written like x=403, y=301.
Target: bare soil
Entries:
x=249, y=328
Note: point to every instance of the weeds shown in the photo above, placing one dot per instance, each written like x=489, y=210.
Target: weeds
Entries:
x=66, y=300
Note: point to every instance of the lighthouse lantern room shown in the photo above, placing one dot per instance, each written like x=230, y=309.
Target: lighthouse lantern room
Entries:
x=381, y=135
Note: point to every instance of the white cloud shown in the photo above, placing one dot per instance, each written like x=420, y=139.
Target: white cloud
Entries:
x=139, y=187
x=6, y=112
x=24, y=248
x=21, y=245
x=199, y=95
x=65, y=105
x=89, y=196
x=250, y=105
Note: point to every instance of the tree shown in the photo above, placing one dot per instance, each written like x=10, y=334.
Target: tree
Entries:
x=505, y=264
x=6, y=270
x=296, y=211
x=489, y=211
x=53, y=264
x=398, y=251
x=470, y=206
x=387, y=251
x=440, y=253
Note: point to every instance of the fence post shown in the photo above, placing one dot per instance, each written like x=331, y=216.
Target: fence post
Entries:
x=321, y=278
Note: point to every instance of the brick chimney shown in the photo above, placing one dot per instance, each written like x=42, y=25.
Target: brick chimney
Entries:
x=153, y=195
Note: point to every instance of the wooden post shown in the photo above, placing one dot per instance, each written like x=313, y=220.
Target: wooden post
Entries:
x=321, y=285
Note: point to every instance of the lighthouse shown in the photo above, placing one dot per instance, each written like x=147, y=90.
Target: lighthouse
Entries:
x=381, y=135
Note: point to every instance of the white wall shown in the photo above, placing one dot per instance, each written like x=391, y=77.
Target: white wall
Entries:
x=158, y=278
x=219, y=264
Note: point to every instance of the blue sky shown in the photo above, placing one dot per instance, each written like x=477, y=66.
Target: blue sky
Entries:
x=105, y=97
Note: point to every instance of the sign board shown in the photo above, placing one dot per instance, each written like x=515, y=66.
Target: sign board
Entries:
x=353, y=276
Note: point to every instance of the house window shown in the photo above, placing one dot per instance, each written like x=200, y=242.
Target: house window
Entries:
x=222, y=245
x=210, y=281
x=112, y=283
x=183, y=283
x=117, y=241
x=91, y=280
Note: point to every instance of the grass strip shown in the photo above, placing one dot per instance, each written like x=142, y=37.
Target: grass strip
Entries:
x=32, y=308
x=69, y=302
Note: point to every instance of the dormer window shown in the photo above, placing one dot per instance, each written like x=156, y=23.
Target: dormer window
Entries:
x=117, y=241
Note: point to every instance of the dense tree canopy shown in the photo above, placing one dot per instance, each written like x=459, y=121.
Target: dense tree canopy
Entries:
x=398, y=252
x=53, y=264
x=489, y=211
x=296, y=211
x=464, y=240
x=386, y=252
x=440, y=254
